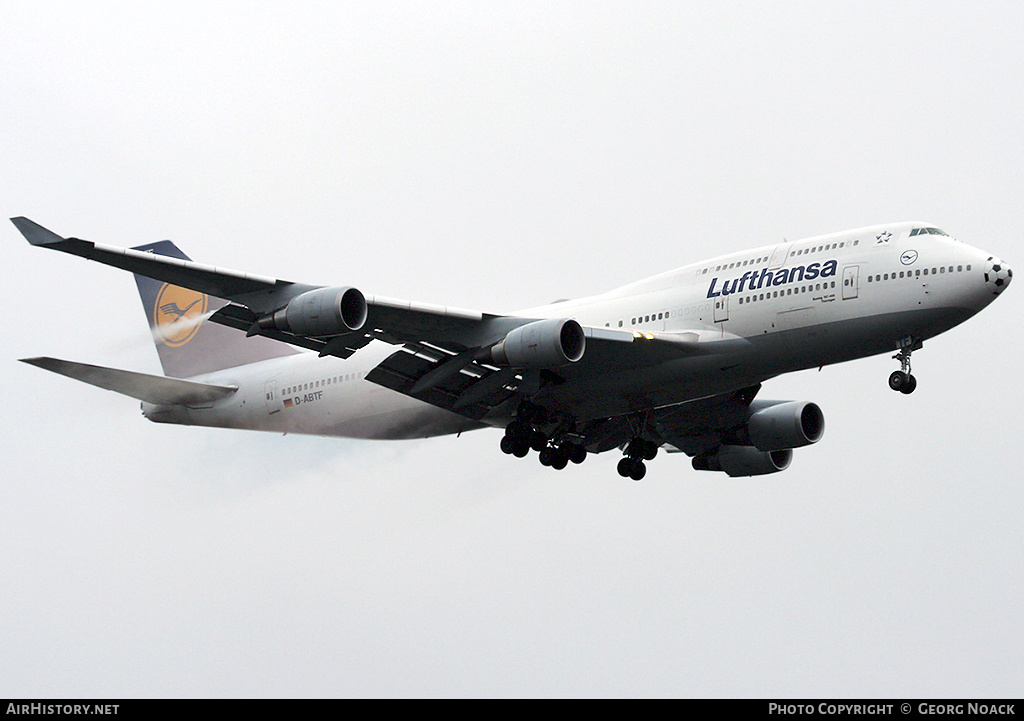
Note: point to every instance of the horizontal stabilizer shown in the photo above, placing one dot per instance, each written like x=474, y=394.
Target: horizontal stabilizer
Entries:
x=152, y=389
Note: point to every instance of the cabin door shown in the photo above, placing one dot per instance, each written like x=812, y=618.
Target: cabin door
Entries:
x=721, y=309
x=273, y=403
x=851, y=276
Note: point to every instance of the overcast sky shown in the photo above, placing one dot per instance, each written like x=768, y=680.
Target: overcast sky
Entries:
x=498, y=156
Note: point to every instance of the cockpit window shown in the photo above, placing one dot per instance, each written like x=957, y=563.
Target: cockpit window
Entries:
x=928, y=231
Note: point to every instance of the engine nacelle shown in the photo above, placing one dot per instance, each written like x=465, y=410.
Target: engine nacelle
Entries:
x=320, y=312
x=541, y=344
x=776, y=426
x=744, y=461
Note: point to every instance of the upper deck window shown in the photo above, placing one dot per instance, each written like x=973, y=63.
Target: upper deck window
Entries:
x=931, y=231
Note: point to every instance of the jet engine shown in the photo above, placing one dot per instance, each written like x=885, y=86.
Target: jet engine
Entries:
x=775, y=426
x=541, y=344
x=744, y=461
x=320, y=312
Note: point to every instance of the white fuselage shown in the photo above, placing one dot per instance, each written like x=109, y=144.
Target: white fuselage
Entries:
x=787, y=307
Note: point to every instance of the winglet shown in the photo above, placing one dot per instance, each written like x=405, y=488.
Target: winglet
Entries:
x=35, y=233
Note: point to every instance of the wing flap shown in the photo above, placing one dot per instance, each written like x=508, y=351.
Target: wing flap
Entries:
x=152, y=389
x=446, y=380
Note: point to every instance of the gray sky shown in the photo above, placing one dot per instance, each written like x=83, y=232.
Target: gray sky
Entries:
x=496, y=156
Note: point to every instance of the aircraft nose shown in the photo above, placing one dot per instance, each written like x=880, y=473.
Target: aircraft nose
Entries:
x=997, y=275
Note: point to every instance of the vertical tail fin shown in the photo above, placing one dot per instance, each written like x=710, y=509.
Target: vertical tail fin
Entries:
x=187, y=343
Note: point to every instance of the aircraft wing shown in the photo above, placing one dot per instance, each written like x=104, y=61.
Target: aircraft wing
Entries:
x=693, y=427
x=257, y=295
x=257, y=292
x=453, y=358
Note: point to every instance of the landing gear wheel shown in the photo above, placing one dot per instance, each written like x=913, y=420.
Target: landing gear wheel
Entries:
x=506, y=445
x=559, y=461
x=577, y=453
x=632, y=468
x=898, y=380
x=517, y=429
x=520, y=449
x=642, y=448
x=650, y=450
x=910, y=385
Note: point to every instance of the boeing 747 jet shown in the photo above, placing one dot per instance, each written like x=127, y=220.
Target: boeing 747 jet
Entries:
x=673, y=362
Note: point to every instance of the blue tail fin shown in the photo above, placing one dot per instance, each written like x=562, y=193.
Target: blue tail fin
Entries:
x=188, y=344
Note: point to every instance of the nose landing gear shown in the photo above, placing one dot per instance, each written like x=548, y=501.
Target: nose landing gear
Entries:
x=902, y=380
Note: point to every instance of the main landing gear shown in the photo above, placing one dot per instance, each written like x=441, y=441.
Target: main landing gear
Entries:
x=637, y=451
x=524, y=434
x=557, y=444
x=902, y=380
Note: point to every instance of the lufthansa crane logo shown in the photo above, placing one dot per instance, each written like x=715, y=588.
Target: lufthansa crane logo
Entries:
x=908, y=257
x=177, y=314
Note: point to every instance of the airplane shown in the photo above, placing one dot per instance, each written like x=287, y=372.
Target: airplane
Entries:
x=674, y=361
